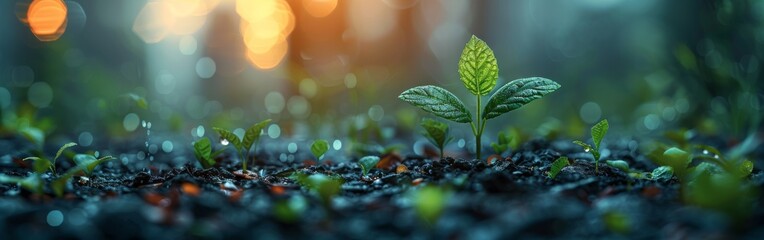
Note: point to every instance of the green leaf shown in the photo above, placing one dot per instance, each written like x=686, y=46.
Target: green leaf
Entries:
x=517, y=93
x=435, y=131
x=319, y=148
x=326, y=187
x=663, y=173
x=253, y=134
x=202, y=151
x=557, y=166
x=477, y=67
x=61, y=150
x=40, y=165
x=33, y=182
x=598, y=132
x=744, y=169
x=87, y=163
x=34, y=135
x=429, y=203
x=230, y=137
x=367, y=163
x=678, y=160
x=437, y=101
x=588, y=148
x=620, y=164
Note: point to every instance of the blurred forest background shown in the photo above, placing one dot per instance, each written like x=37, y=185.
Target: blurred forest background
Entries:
x=321, y=68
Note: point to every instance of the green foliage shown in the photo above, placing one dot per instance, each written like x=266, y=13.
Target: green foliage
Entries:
x=429, y=202
x=290, y=210
x=325, y=187
x=723, y=192
x=507, y=140
x=43, y=164
x=87, y=163
x=663, y=173
x=367, y=163
x=319, y=148
x=204, y=154
x=437, y=133
x=557, y=166
x=478, y=71
x=478, y=68
x=620, y=164
x=33, y=182
x=598, y=133
x=243, y=146
x=438, y=101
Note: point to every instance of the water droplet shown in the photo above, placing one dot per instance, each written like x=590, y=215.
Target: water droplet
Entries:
x=55, y=218
x=292, y=147
x=716, y=156
x=148, y=125
x=143, y=124
x=461, y=143
x=587, y=149
x=705, y=152
x=337, y=144
x=224, y=141
x=151, y=158
x=97, y=154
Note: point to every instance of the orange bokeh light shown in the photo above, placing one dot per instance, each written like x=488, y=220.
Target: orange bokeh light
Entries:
x=265, y=26
x=47, y=19
x=319, y=8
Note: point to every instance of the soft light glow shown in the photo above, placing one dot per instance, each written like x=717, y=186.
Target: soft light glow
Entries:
x=158, y=19
x=319, y=8
x=153, y=23
x=47, y=19
x=265, y=26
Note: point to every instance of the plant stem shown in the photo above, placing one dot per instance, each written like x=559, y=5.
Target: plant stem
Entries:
x=243, y=162
x=479, y=131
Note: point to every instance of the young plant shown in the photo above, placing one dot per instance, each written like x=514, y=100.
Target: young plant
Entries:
x=319, y=148
x=437, y=133
x=204, y=154
x=367, y=163
x=479, y=72
x=40, y=162
x=429, y=203
x=557, y=166
x=598, y=132
x=242, y=146
x=507, y=140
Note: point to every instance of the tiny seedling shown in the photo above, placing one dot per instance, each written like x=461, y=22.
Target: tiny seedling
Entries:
x=662, y=173
x=319, y=148
x=41, y=162
x=679, y=162
x=598, y=132
x=367, y=163
x=242, y=146
x=33, y=182
x=325, y=187
x=507, y=140
x=429, y=203
x=557, y=166
x=437, y=133
x=619, y=164
x=204, y=154
x=479, y=72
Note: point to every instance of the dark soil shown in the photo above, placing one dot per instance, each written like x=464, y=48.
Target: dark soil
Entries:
x=510, y=198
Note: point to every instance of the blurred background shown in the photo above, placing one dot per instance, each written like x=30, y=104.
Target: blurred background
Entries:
x=101, y=72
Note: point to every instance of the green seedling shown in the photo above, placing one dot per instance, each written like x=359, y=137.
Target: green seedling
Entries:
x=557, y=166
x=507, y=140
x=290, y=210
x=663, y=173
x=325, y=187
x=619, y=164
x=679, y=161
x=204, y=154
x=319, y=148
x=242, y=146
x=41, y=162
x=722, y=192
x=437, y=133
x=367, y=163
x=429, y=202
x=598, y=132
x=33, y=182
x=479, y=72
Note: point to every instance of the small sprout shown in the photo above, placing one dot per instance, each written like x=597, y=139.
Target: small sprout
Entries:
x=479, y=72
x=598, y=133
x=319, y=148
x=367, y=163
x=663, y=173
x=557, y=166
x=508, y=140
x=204, y=154
x=429, y=202
x=243, y=146
x=290, y=210
x=617, y=222
x=87, y=163
x=678, y=160
x=33, y=182
x=43, y=164
x=437, y=133
x=620, y=164
x=325, y=187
